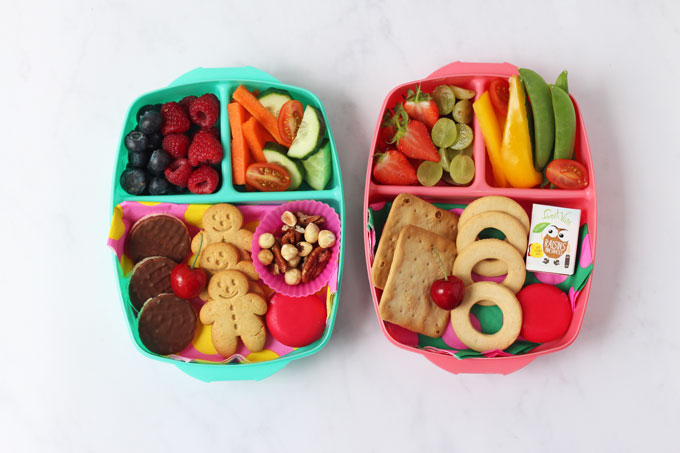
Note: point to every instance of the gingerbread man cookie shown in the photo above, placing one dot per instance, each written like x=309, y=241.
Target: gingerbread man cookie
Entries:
x=234, y=312
x=224, y=223
x=222, y=256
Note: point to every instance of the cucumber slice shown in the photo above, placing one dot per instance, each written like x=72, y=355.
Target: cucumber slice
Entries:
x=273, y=99
x=276, y=154
x=318, y=167
x=309, y=135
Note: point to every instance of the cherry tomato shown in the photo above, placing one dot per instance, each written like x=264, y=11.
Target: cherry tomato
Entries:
x=500, y=94
x=267, y=177
x=567, y=174
x=290, y=118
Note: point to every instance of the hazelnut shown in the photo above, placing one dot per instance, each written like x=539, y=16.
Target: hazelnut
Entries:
x=312, y=233
x=289, y=251
x=293, y=262
x=266, y=240
x=326, y=239
x=293, y=277
x=289, y=218
x=265, y=256
x=299, y=229
x=305, y=248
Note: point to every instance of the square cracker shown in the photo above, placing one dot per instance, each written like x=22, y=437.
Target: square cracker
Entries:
x=409, y=210
x=406, y=299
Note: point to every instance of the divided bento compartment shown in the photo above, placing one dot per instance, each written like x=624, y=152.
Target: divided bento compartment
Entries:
x=223, y=89
x=222, y=82
x=483, y=185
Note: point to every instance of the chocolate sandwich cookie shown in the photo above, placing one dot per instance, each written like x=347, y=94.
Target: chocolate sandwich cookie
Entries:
x=150, y=277
x=159, y=235
x=166, y=324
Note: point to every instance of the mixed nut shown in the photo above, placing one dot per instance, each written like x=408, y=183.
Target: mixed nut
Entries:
x=302, y=250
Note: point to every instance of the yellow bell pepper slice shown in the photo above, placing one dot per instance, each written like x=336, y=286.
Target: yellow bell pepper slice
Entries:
x=518, y=161
x=491, y=131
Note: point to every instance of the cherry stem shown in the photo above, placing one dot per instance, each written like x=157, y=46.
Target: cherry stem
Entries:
x=441, y=263
x=200, y=244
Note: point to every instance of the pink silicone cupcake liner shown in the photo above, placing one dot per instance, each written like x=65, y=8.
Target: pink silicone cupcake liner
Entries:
x=272, y=223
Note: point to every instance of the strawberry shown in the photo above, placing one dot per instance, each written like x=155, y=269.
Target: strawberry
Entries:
x=421, y=107
x=392, y=167
x=412, y=137
x=387, y=128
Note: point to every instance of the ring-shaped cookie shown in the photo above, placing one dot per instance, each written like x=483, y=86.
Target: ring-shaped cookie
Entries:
x=504, y=299
x=491, y=249
x=507, y=224
x=495, y=203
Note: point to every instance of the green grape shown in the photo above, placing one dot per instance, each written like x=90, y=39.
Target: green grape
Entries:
x=467, y=151
x=444, y=98
x=462, y=170
x=462, y=111
x=464, y=136
x=444, y=133
x=462, y=93
x=445, y=161
x=429, y=173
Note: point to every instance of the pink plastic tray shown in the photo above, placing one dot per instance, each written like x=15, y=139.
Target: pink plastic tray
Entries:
x=477, y=77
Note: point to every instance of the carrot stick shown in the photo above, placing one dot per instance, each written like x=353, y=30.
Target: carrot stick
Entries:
x=240, y=156
x=256, y=137
x=253, y=106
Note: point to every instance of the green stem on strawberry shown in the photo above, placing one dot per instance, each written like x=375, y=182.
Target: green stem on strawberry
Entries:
x=200, y=244
x=441, y=263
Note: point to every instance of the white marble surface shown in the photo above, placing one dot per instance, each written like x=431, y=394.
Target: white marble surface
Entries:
x=70, y=378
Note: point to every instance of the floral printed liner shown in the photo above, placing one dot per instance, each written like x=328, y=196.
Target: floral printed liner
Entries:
x=201, y=348
x=486, y=319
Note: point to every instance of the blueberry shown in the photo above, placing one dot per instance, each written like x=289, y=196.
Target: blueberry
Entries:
x=155, y=141
x=159, y=186
x=150, y=122
x=148, y=108
x=158, y=161
x=136, y=141
x=133, y=181
x=138, y=159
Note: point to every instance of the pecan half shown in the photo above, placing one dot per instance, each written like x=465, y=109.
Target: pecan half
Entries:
x=278, y=259
x=304, y=219
x=291, y=237
x=315, y=263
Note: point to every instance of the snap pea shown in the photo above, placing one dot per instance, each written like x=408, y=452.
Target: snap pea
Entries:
x=562, y=81
x=565, y=123
x=544, y=119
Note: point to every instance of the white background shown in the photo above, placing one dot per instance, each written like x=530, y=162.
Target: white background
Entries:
x=70, y=377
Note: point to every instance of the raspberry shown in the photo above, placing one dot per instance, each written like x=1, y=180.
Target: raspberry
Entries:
x=205, y=149
x=205, y=110
x=175, y=119
x=186, y=102
x=214, y=131
x=178, y=172
x=203, y=180
x=176, y=145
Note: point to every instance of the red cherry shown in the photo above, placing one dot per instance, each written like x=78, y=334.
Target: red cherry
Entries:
x=447, y=293
x=186, y=282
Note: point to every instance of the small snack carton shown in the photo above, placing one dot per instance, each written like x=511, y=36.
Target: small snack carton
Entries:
x=553, y=239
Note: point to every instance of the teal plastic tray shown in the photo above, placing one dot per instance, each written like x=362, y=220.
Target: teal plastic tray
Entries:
x=222, y=82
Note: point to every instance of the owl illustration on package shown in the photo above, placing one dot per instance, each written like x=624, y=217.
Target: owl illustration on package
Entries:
x=553, y=239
